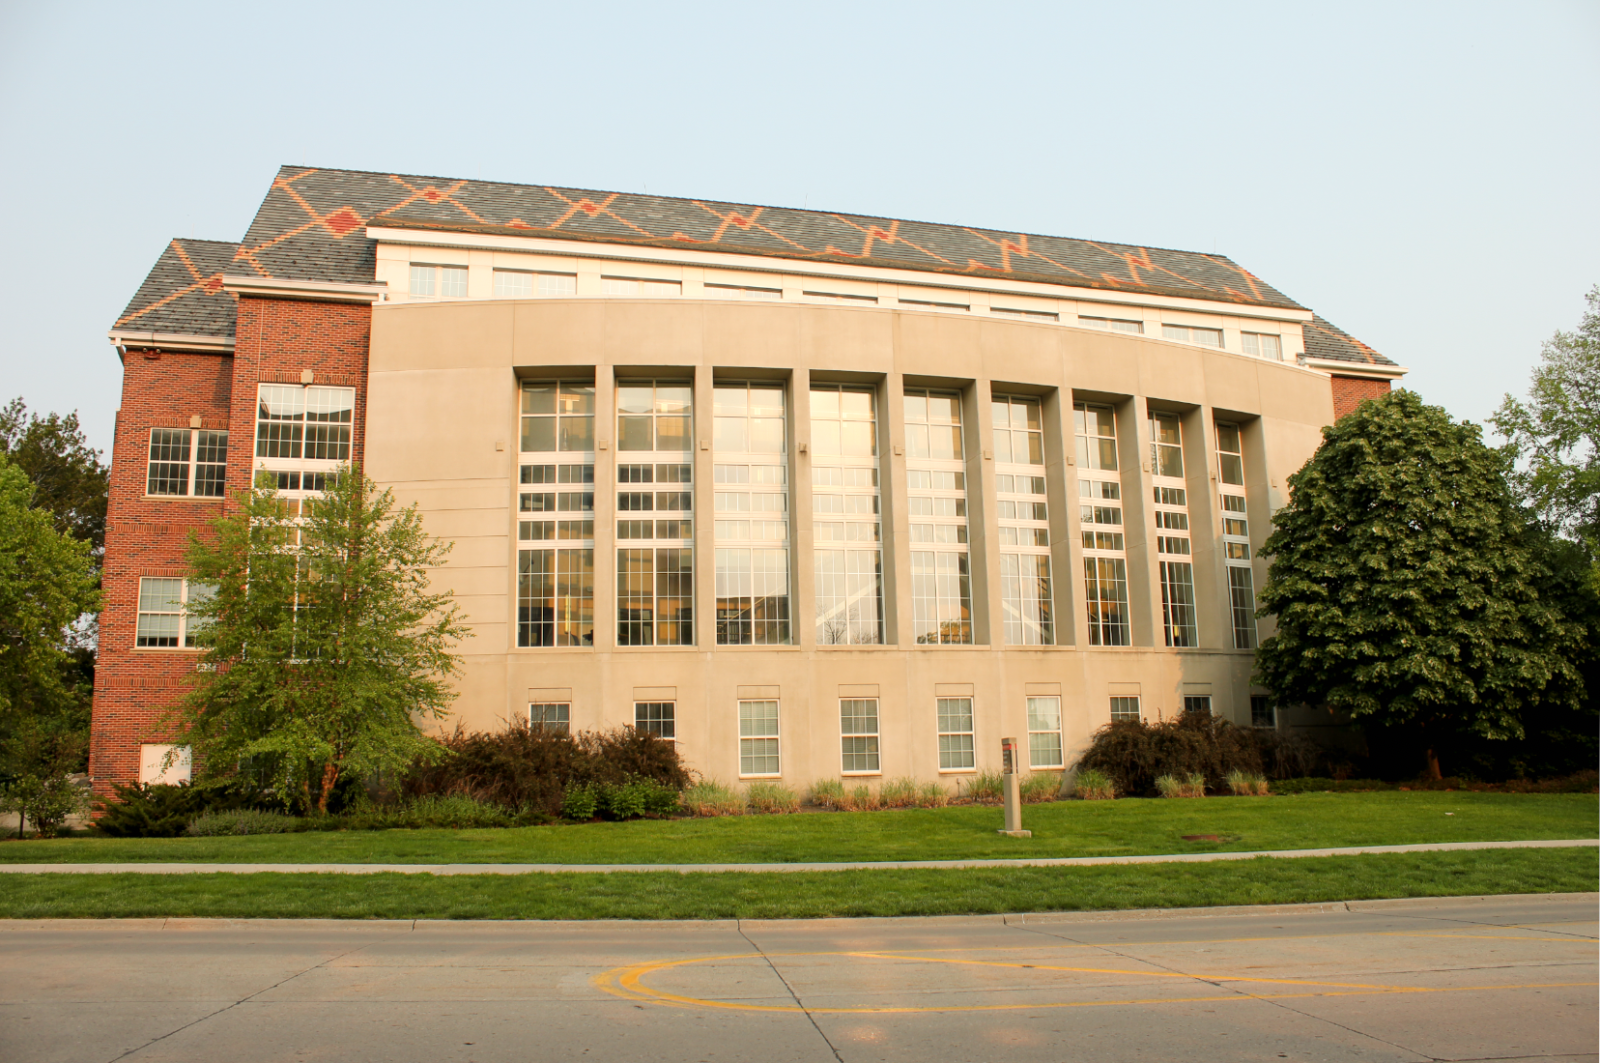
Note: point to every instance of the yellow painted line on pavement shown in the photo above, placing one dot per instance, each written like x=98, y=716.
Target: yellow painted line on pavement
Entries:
x=628, y=983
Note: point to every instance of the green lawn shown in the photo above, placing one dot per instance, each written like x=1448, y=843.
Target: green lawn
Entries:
x=1064, y=828
x=667, y=895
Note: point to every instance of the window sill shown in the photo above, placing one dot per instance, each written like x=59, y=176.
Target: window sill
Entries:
x=183, y=498
x=194, y=650
x=862, y=774
x=761, y=777
x=958, y=771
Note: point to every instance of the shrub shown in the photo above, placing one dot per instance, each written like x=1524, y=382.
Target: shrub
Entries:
x=1094, y=785
x=454, y=811
x=932, y=795
x=771, y=797
x=708, y=797
x=43, y=802
x=581, y=802
x=164, y=810
x=535, y=768
x=861, y=799
x=899, y=793
x=1044, y=786
x=243, y=821
x=986, y=788
x=1133, y=753
x=829, y=793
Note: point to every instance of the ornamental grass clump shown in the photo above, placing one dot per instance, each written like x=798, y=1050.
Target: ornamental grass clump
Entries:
x=1093, y=785
x=1045, y=786
x=1246, y=784
x=932, y=795
x=708, y=797
x=1191, y=785
x=986, y=788
x=829, y=793
x=899, y=793
x=771, y=798
x=861, y=799
x=242, y=821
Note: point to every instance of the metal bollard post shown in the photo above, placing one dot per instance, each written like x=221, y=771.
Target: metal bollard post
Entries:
x=1012, y=789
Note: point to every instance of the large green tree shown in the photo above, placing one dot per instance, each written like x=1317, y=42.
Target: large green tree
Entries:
x=48, y=583
x=1405, y=587
x=323, y=643
x=69, y=480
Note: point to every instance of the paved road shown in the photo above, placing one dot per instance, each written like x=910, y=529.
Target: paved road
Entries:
x=160, y=868
x=1509, y=978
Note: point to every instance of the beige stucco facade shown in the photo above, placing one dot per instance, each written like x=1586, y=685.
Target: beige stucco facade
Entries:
x=442, y=431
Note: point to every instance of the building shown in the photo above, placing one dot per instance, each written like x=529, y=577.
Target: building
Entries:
x=808, y=493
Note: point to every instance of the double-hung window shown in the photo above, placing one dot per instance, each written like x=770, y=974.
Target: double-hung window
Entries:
x=1125, y=709
x=550, y=715
x=187, y=461
x=164, y=617
x=758, y=738
x=858, y=736
x=659, y=718
x=956, y=749
x=1263, y=345
x=1171, y=512
x=1044, y=732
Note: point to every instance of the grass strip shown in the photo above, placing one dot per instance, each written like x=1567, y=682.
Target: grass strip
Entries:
x=1062, y=828
x=744, y=895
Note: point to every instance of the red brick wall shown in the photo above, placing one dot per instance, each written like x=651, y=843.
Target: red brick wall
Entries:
x=276, y=341
x=1350, y=392
x=147, y=537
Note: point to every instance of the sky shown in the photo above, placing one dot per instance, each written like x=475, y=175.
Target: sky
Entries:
x=1423, y=175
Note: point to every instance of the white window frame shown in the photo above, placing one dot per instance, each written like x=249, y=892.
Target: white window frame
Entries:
x=191, y=462
x=553, y=715
x=1113, y=324
x=970, y=753
x=871, y=741
x=760, y=738
x=643, y=287
x=1120, y=707
x=1256, y=344
x=1046, y=732
x=180, y=610
x=437, y=278
x=154, y=769
x=1189, y=334
x=669, y=719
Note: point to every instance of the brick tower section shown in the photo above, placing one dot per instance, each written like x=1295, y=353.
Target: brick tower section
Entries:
x=1350, y=392
x=276, y=342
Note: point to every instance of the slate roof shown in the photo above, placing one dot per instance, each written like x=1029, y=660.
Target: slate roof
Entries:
x=312, y=226
x=1324, y=339
x=183, y=291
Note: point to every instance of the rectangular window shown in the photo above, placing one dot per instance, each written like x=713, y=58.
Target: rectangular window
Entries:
x=750, y=440
x=1105, y=581
x=655, y=585
x=957, y=751
x=655, y=589
x=163, y=616
x=303, y=434
x=758, y=738
x=840, y=297
x=558, y=416
x=1024, y=521
x=844, y=484
x=187, y=462
x=1200, y=705
x=555, y=587
x=1044, y=732
x=1026, y=315
x=858, y=735
x=1124, y=709
x=739, y=291
x=657, y=717
x=448, y=281
x=639, y=287
x=513, y=284
x=1177, y=603
x=1263, y=345
x=1112, y=324
x=1262, y=714
x=935, y=304
x=550, y=716
x=1241, y=593
x=1096, y=428
x=1230, y=456
x=1209, y=337
x=555, y=597
x=936, y=484
x=1166, y=445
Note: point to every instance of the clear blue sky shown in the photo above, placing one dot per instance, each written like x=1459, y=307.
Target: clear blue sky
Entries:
x=1423, y=175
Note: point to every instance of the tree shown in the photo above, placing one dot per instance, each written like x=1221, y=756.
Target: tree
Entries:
x=322, y=644
x=68, y=479
x=1405, y=587
x=47, y=582
x=1557, y=432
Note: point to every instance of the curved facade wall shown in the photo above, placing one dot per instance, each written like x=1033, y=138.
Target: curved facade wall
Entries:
x=883, y=682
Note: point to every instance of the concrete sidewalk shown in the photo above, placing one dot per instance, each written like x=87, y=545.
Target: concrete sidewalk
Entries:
x=873, y=865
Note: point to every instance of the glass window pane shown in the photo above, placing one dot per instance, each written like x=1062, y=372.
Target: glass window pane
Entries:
x=633, y=433
x=577, y=433
x=538, y=434
x=575, y=399
x=538, y=398
x=634, y=398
